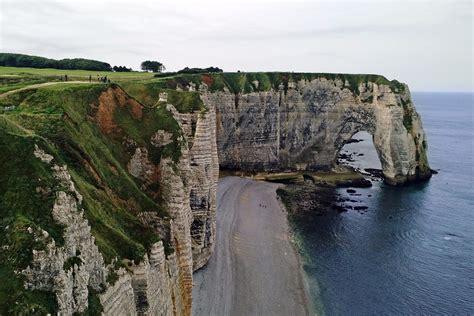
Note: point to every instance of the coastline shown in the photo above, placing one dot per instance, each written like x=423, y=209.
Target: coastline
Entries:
x=315, y=305
x=306, y=202
x=256, y=267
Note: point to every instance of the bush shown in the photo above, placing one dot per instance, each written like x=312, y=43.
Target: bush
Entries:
x=121, y=69
x=199, y=70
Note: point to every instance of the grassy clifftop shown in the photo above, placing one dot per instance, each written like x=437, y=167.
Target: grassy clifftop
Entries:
x=148, y=92
x=11, y=78
x=247, y=82
x=94, y=130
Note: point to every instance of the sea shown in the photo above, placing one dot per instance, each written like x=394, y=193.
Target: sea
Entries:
x=412, y=251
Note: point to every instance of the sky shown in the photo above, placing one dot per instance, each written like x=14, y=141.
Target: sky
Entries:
x=426, y=44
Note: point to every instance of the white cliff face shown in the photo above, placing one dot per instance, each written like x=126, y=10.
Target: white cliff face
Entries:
x=201, y=179
x=67, y=270
x=161, y=284
x=304, y=127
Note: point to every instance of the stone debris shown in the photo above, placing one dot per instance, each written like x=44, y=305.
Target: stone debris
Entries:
x=42, y=155
x=161, y=138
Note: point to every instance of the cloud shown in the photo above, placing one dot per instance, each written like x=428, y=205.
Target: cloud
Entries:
x=427, y=44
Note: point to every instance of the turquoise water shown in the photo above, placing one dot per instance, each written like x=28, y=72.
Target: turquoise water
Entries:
x=412, y=252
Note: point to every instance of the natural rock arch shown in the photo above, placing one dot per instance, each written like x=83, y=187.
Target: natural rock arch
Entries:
x=359, y=152
x=304, y=125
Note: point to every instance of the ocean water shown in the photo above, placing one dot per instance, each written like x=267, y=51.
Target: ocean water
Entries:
x=412, y=252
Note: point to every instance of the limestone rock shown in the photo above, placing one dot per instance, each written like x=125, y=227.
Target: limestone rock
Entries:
x=161, y=138
x=49, y=269
x=304, y=127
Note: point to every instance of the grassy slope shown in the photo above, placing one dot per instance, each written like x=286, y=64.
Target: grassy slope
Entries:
x=147, y=92
x=62, y=119
x=21, y=206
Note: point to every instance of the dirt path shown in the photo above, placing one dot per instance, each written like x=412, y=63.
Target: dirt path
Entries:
x=39, y=85
x=254, y=269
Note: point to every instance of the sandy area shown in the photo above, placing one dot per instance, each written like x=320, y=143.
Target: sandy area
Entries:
x=255, y=269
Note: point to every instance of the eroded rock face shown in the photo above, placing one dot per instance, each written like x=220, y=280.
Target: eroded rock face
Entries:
x=304, y=127
x=71, y=269
x=161, y=283
x=201, y=179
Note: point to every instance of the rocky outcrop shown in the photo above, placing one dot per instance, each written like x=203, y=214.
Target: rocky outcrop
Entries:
x=303, y=125
x=161, y=282
x=163, y=285
x=201, y=178
x=71, y=270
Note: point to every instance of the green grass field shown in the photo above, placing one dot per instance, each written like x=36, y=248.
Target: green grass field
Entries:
x=13, y=78
x=84, y=74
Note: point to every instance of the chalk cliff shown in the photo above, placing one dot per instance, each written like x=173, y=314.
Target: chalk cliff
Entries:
x=301, y=123
x=108, y=193
x=117, y=204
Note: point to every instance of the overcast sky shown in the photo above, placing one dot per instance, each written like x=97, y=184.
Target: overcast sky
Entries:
x=427, y=44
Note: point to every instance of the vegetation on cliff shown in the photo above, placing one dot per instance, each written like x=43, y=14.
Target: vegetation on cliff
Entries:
x=148, y=92
x=94, y=130
x=237, y=82
x=23, y=210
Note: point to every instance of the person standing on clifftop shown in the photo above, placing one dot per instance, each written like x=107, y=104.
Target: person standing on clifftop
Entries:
x=65, y=77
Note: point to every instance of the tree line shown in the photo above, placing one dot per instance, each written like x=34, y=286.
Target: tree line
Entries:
x=21, y=60
x=154, y=66
x=121, y=69
x=188, y=70
x=199, y=70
